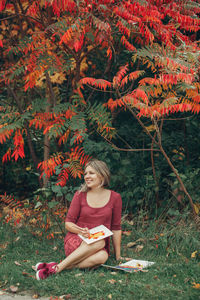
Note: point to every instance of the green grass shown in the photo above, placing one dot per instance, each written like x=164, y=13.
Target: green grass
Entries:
x=169, y=245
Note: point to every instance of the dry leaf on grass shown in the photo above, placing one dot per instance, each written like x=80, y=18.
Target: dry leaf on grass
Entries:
x=3, y=283
x=131, y=244
x=4, y=246
x=193, y=255
x=13, y=288
x=196, y=285
x=110, y=296
x=79, y=274
x=138, y=248
x=27, y=274
x=130, y=223
x=35, y=296
x=65, y=297
x=17, y=263
x=112, y=281
x=127, y=233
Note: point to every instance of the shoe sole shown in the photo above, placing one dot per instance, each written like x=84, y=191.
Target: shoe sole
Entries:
x=37, y=276
x=36, y=266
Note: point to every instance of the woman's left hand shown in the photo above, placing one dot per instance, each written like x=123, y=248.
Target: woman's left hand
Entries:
x=123, y=259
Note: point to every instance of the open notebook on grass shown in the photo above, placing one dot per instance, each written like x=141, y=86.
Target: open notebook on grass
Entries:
x=97, y=233
x=133, y=265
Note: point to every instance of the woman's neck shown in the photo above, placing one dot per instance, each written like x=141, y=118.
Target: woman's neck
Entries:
x=96, y=190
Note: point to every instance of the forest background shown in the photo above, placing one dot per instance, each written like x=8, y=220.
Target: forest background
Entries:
x=113, y=80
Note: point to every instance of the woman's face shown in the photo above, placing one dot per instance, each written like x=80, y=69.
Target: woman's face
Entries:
x=92, y=179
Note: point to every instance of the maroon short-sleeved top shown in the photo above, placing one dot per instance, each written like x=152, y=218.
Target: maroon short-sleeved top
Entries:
x=84, y=215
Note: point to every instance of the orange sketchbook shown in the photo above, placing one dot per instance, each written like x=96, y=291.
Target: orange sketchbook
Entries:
x=97, y=233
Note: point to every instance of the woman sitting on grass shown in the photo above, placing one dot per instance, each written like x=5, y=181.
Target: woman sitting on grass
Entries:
x=92, y=206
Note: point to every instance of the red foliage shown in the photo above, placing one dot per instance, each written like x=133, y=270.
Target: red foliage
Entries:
x=58, y=36
x=19, y=146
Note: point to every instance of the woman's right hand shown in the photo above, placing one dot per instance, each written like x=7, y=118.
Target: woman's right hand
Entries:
x=72, y=227
x=85, y=232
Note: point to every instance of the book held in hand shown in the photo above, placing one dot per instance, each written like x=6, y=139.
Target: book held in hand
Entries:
x=133, y=265
x=97, y=233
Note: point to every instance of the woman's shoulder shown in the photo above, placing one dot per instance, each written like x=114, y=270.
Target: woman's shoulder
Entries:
x=115, y=195
x=79, y=195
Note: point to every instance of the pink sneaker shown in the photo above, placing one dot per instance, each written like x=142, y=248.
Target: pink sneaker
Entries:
x=44, y=273
x=42, y=265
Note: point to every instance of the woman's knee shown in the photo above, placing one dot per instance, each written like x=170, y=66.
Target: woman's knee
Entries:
x=103, y=256
x=99, y=244
x=99, y=258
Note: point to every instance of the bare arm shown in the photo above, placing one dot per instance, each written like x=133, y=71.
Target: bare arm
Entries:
x=72, y=227
x=116, y=239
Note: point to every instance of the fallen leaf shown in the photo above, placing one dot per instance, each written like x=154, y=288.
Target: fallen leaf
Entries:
x=113, y=273
x=17, y=263
x=79, y=274
x=127, y=233
x=144, y=271
x=112, y=281
x=120, y=281
x=130, y=223
x=13, y=288
x=110, y=296
x=196, y=285
x=131, y=244
x=65, y=297
x=138, y=248
x=4, y=246
x=140, y=240
x=35, y=296
x=27, y=274
x=55, y=248
x=148, y=286
x=101, y=274
x=17, y=239
x=174, y=275
x=3, y=283
x=193, y=255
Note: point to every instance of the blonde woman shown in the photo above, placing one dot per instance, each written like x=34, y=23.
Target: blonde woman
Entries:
x=91, y=206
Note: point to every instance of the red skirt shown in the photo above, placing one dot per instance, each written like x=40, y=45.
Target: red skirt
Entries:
x=72, y=241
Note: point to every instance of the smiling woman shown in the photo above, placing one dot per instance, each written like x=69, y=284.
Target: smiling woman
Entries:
x=91, y=206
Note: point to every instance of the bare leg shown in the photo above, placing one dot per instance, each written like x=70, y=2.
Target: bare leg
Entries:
x=83, y=252
x=94, y=260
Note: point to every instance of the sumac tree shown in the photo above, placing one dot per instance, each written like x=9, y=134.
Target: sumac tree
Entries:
x=143, y=55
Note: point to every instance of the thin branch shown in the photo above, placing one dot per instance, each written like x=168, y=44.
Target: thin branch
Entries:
x=141, y=123
x=127, y=150
x=21, y=15
x=125, y=142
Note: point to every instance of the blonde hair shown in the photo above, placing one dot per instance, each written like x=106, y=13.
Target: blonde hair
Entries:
x=101, y=169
